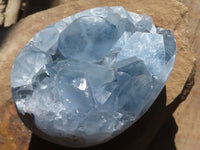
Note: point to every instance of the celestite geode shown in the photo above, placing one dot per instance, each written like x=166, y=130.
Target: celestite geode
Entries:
x=85, y=79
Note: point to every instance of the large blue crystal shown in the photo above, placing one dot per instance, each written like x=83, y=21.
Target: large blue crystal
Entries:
x=88, y=77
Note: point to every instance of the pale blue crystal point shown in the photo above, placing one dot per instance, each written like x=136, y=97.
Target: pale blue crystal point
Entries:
x=85, y=79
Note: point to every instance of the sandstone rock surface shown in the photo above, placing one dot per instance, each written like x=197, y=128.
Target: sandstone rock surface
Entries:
x=166, y=14
x=187, y=116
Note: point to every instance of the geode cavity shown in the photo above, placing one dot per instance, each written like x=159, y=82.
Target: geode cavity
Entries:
x=87, y=78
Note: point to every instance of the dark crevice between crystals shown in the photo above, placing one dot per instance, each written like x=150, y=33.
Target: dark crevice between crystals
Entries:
x=22, y=92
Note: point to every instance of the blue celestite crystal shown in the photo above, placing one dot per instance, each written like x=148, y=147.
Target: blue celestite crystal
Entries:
x=87, y=78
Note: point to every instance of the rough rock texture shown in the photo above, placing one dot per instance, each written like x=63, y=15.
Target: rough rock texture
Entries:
x=187, y=116
x=167, y=14
x=13, y=134
x=2, y=9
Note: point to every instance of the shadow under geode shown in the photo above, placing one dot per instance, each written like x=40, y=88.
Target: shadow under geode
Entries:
x=147, y=133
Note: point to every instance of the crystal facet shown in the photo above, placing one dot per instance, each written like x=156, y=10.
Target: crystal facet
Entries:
x=85, y=79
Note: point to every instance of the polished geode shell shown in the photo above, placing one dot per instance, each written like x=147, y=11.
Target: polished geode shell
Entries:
x=85, y=79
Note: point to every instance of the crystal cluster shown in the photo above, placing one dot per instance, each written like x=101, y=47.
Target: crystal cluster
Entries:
x=85, y=79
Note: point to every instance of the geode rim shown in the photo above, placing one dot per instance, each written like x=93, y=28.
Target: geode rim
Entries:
x=86, y=78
